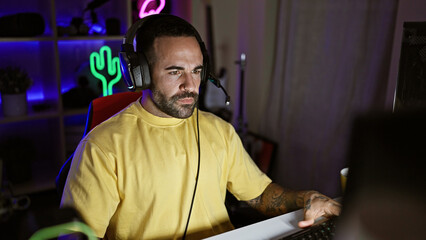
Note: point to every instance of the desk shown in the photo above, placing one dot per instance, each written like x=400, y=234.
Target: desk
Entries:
x=273, y=228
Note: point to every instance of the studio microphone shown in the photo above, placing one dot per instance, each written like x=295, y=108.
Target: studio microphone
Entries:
x=216, y=82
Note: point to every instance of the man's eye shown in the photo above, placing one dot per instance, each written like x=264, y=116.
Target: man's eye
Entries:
x=174, y=72
x=196, y=71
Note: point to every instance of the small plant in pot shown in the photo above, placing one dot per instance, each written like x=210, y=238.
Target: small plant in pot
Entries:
x=14, y=83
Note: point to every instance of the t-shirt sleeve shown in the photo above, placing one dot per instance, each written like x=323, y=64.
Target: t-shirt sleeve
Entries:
x=245, y=180
x=91, y=186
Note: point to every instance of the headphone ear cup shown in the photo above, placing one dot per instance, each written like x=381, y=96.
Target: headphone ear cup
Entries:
x=204, y=72
x=125, y=67
x=206, y=60
x=135, y=70
x=129, y=69
x=144, y=69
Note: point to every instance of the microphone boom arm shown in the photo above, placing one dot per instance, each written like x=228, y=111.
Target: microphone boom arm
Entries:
x=216, y=82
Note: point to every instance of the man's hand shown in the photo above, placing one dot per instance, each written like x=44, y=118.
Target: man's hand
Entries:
x=317, y=207
x=276, y=200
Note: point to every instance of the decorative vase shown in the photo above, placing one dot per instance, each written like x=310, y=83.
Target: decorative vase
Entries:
x=14, y=104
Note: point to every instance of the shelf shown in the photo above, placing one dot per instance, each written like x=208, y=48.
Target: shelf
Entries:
x=73, y=112
x=59, y=39
x=44, y=110
x=55, y=63
x=29, y=117
x=26, y=39
x=90, y=38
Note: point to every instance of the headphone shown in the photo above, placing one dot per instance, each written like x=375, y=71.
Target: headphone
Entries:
x=134, y=65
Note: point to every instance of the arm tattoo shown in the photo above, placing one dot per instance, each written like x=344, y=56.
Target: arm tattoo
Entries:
x=275, y=201
x=254, y=202
x=308, y=204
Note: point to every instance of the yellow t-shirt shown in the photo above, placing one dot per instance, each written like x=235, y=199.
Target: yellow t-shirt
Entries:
x=133, y=176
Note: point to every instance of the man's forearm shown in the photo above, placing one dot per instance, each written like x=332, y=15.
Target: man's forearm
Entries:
x=276, y=200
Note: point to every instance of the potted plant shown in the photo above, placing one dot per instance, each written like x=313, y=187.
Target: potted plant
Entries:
x=14, y=83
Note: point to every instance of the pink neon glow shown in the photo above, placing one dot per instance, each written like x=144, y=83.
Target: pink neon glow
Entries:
x=143, y=11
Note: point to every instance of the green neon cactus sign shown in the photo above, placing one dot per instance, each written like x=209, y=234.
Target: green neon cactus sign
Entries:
x=98, y=63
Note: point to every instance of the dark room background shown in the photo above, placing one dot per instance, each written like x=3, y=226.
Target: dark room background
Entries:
x=310, y=67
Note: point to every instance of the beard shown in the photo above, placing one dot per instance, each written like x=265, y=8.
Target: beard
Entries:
x=170, y=106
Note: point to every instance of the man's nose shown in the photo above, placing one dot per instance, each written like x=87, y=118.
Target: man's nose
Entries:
x=189, y=82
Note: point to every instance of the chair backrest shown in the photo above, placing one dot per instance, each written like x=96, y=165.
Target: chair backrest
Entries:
x=100, y=109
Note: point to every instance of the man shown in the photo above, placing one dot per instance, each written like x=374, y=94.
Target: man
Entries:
x=134, y=175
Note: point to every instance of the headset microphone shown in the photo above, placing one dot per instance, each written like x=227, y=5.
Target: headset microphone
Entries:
x=216, y=82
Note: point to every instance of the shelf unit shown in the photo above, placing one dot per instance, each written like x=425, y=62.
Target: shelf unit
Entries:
x=49, y=133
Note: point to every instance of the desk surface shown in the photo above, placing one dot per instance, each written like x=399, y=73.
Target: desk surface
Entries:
x=273, y=228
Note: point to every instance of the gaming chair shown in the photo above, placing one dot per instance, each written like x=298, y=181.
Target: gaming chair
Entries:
x=100, y=109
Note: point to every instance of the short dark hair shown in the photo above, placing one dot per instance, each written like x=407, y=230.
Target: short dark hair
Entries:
x=161, y=26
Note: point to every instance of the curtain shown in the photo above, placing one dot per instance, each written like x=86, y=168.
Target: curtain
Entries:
x=331, y=62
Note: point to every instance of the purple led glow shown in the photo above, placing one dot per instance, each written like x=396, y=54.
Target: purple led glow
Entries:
x=143, y=12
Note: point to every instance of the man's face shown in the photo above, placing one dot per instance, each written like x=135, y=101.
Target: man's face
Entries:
x=176, y=75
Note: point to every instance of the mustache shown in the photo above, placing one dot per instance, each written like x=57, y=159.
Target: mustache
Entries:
x=185, y=95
